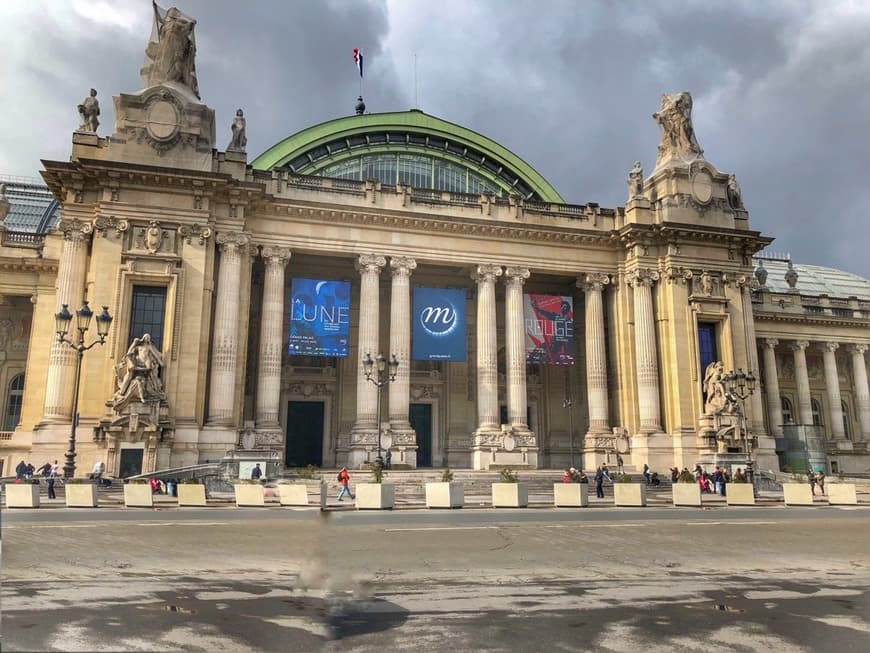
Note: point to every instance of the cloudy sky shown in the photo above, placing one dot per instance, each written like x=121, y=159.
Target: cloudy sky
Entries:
x=781, y=92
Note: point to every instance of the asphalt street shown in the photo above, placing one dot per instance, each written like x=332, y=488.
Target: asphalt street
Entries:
x=225, y=579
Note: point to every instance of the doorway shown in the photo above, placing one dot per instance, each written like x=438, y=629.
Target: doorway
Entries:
x=304, y=444
x=131, y=463
x=420, y=416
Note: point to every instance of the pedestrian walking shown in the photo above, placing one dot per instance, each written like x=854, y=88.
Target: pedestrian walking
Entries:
x=645, y=473
x=820, y=481
x=256, y=473
x=600, y=475
x=811, y=477
x=344, y=479
x=20, y=470
x=388, y=460
x=50, y=482
x=620, y=467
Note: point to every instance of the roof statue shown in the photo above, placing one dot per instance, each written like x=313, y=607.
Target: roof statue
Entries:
x=678, y=134
x=635, y=181
x=171, y=51
x=735, y=200
x=89, y=110
x=240, y=139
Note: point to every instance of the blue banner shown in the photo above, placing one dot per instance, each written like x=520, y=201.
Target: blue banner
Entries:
x=319, y=317
x=438, y=318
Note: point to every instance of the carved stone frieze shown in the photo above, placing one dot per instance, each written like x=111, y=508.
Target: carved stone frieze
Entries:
x=307, y=389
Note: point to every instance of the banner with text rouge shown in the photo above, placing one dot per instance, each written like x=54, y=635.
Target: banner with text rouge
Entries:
x=549, y=329
x=319, y=317
x=438, y=331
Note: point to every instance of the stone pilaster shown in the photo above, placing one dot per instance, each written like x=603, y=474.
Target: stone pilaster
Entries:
x=862, y=389
x=400, y=347
x=596, y=356
x=832, y=385
x=515, y=350
x=369, y=267
x=649, y=402
x=756, y=412
x=225, y=343
x=802, y=379
x=271, y=337
x=70, y=291
x=771, y=387
x=487, y=350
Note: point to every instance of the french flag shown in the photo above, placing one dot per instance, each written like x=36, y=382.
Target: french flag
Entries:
x=358, y=60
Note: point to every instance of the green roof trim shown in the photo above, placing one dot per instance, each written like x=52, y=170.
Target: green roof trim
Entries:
x=316, y=136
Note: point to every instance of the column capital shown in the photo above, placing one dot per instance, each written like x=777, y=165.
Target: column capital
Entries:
x=74, y=229
x=593, y=281
x=230, y=240
x=799, y=345
x=829, y=346
x=486, y=273
x=274, y=255
x=858, y=349
x=402, y=265
x=370, y=263
x=642, y=277
x=770, y=343
x=516, y=275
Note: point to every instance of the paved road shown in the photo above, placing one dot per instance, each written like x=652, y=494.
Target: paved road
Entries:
x=755, y=579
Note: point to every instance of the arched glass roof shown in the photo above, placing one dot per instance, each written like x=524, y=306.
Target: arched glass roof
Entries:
x=411, y=147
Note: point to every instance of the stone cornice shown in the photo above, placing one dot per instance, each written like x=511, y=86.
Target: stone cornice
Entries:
x=10, y=264
x=813, y=319
x=671, y=232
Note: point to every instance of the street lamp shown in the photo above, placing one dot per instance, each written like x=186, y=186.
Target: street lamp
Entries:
x=739, y=386
x=378, y=368
x=63, y=320
x=569, y=404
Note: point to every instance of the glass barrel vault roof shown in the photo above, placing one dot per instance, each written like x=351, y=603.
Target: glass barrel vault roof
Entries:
x=408, y=146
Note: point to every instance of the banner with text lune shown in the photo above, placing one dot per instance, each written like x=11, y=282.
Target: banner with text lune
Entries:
x=319, y=317
x=438, y=332
x=549, y=329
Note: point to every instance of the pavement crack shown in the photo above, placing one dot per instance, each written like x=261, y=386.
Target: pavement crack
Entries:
x=508, y=542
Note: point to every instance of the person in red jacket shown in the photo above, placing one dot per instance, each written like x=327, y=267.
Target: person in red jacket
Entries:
x=344, y=479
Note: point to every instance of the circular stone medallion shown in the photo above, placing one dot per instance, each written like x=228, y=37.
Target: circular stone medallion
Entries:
x=162, y=120
x=702, y=187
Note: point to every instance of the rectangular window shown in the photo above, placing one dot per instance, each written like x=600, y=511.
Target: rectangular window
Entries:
x=707, y=349
x=147, y=313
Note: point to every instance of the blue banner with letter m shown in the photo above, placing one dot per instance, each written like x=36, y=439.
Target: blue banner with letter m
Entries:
x=319, y=317
x=438, y=332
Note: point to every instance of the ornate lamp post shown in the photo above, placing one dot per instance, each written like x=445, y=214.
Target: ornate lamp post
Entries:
x=569, y=404
x=739, y=386
x=378, y=367
x=62, y=320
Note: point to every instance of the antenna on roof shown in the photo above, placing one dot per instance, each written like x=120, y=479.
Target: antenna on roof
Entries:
x=416, y=96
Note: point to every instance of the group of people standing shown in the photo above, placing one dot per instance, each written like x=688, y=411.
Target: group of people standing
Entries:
x=51, y=471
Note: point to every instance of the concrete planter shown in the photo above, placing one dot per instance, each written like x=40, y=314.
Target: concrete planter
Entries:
x=570, y=495
x=21, y=495
x=190, y=494
x=629, y=494
x=739, y=494
x=686, y=494
x=842, y=494
x=375, y=496
x=510, y=495
x=797, y=494
x=293, y=494
x=81, y=495
x=445, y=495
x=138, y=495
x=250, y=494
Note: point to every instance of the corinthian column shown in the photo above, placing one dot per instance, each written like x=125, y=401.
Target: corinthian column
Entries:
x=487, y=352
x=70, y=291
x=271, y=332
x=596, y=357
x=862, y=390
x=832, y=385
x=369, y=267
x=225, y=345
x=400, y=341
x=802, y=379
x=515, y=350
x=771, y=386
x=645, y=351
x=756, y=412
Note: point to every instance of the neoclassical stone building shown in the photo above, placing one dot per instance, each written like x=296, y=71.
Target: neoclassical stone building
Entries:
x=200, y=248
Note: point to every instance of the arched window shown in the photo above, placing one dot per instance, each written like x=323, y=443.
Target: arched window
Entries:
x=847, y=421
x=817, y=412
x=787, y=413
x=14, y=396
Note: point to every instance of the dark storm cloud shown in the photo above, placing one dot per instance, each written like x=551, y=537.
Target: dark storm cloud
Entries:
x=780, y=90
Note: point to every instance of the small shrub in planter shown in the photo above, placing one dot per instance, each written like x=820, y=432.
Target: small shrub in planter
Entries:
x=509, y=476
x=446, y=476
x=307, y=472
x=509, y=493
x=445, y=494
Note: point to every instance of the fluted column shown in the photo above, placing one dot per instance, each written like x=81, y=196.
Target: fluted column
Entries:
x=225, y=344
x=862, y=390
x=802, y=379
x=271, y=337
x=771, y=386
x=487, y=351
x=756, y=404
x=369, y=267
x=645, y=351
x=70, y=291
x=832, y=385
x=515, y=348
x=400, y=340
x=596, y=356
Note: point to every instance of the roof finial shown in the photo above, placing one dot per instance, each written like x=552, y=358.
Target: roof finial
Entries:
x=360, y=106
